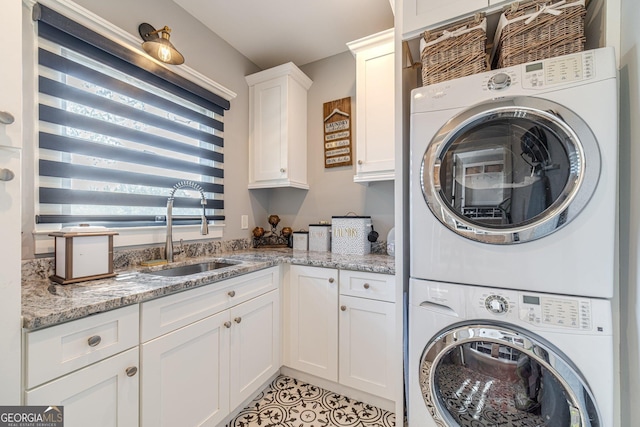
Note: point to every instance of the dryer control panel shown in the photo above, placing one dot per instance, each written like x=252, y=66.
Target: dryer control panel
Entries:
x=559, y=70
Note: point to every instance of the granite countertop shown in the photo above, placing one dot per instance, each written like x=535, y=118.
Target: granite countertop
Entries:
x=46, y=304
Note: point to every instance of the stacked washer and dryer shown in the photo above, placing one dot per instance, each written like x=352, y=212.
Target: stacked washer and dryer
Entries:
x=513, y=232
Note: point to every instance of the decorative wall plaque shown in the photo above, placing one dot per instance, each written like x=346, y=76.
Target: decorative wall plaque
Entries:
x=337, y=133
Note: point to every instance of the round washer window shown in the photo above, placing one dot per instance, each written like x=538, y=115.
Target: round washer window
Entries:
x=488, y=375
x=510, y=171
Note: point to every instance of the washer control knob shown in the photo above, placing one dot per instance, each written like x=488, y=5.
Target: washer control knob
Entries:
x=496, y=304
x=499, y=81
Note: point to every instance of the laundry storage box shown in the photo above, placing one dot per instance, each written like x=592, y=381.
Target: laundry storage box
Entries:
x=320, y=237
x=350, y=235
x=83, y=253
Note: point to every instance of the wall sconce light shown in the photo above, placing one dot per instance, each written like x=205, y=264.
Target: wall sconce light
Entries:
x=157, y=44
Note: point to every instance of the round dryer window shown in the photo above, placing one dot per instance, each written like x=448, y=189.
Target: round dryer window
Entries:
x=510, y=171
x=492, y=375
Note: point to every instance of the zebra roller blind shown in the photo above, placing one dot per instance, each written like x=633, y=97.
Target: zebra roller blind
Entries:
x=117, y=132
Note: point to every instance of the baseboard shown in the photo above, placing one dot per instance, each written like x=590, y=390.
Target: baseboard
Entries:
x=387, y=405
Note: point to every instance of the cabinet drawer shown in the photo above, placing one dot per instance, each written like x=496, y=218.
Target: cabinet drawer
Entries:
x=60, y=349
x=368, y=285
x=169, y=313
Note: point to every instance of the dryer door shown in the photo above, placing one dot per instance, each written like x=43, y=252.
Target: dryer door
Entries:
x=510, y=171
x=490, y=374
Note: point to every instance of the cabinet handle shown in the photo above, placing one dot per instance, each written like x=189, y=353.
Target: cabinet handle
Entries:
x=366, y=286
x=343, y=307
x=227, y=324
x=231, y=293
x=282, y=170
x=94, y=340
x=360, y=162
x=238, y=319
x=331, y=280
x=131, y=371
x=6, y=175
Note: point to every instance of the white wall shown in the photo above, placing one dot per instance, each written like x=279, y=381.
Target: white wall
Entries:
x=630, y=212
x=332, y=191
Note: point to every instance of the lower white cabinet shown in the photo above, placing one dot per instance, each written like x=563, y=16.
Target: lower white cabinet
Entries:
x=197, y=374
x=367, y=345
x=101, y=395
x=342, y=327
x=90, y=366
x=185, y=377
x=313, y=321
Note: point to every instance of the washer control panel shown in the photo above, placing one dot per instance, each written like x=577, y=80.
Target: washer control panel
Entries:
x=502, y=79
x=562, y=312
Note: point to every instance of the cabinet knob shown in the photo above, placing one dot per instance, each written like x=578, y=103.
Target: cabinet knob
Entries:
x=227, y=324
x=360, y=162
x=94, y=340
x=367, y=286
x=282, y=170
x=343, y=307
x=238, y=319
x=331, y=280
x=6, y=175
x=231, y=293
x=6, y=118
x=131, y=371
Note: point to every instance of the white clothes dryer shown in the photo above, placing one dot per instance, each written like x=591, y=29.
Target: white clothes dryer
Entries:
x=514, y=177
x=491, y=357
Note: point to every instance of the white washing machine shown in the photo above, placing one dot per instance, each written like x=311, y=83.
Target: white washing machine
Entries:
x=492, y=357
x=514, y=177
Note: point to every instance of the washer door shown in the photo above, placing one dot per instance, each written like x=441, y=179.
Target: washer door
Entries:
x=475, y=375
x=510, y=171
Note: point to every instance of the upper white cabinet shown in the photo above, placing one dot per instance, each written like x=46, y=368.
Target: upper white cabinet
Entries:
x=374, y=107
x=419, y=14
x=278, y=127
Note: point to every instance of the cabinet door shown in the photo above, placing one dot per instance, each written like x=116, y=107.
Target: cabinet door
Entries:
x=313, y=322
x=418, y=14
x=367, y=339
x=255, y=345
x=100, y=395
x=185, y=376
x=375, y=107
x=269, y=132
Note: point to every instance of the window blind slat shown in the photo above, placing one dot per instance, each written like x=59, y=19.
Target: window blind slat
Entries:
x=68, y=67
x=102, y=198
x=79, y=96
x=78, y=146
x=62, y=30
x=70, y=170
x=138, y=220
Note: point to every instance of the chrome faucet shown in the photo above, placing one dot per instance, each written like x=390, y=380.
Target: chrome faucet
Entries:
x=204, y=227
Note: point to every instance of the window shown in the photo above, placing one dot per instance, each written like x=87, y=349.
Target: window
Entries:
x=117, y=132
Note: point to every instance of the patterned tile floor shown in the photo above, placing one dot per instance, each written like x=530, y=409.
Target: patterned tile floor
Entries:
x=287, y=402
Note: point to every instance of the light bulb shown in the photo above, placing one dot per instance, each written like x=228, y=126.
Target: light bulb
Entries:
x=164, y=53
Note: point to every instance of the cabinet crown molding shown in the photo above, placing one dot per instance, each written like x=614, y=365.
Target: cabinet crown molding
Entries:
x=287, y=69
x=371, y=41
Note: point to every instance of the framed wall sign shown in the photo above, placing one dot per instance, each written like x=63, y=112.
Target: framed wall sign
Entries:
x=337, y=133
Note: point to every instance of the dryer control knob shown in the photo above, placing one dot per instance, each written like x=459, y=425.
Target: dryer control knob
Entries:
x=496, y=304
x=499, y=81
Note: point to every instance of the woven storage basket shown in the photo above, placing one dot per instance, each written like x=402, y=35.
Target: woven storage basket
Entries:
x=538, y=29
x=456, y=50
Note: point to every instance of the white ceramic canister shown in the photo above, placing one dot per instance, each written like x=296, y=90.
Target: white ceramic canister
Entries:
x=320, y=237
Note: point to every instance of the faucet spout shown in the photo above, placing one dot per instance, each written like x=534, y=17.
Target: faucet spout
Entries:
x=204, y=227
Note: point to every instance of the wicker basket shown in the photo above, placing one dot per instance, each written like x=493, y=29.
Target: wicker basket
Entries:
x=538, y=29
x=456, y=50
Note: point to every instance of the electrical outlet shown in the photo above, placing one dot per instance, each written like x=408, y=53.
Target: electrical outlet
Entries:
x=244, y=221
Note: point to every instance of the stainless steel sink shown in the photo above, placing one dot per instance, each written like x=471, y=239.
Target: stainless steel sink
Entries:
x=186, y=270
